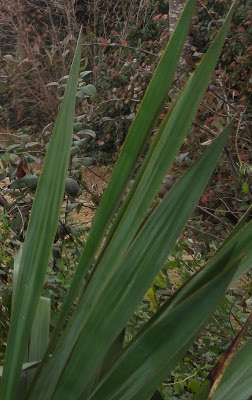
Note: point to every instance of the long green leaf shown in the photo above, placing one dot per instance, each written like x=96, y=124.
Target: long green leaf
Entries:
x=17, y=259
x=25, y=367
x=241, y=223
x=244, y=267
x=236, y=382
x=215, y=376
x=134, y=143
x=39, y=338
x=173, y=131
x=158, y=348
x=174, y=128
x=40, y=235
x=245, y=264
x=129, y=283
x=162, y=153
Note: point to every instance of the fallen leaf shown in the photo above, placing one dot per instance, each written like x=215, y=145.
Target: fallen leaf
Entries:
x=102, y=40
x=22, y=169
x=157, y=17
x=123, y=42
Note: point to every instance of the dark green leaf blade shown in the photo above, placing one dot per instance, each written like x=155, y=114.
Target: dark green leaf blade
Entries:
x=114, y=304
x=39, y=333
x=135, y=141
x=109, y=267
x=39, y=239
x=155, y=352
x=171, y=135
x=159, y=158
x=236, y=382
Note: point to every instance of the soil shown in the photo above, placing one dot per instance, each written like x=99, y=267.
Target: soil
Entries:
x=96, y=179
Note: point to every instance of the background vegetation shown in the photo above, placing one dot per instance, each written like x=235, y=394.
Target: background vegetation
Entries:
x=122, y=45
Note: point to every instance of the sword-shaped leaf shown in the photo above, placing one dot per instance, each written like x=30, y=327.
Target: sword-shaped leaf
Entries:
x=40, y=235
x=130, y=281
x=158, y=160
x=136, y=140
x=236, y=382
x=164, y=340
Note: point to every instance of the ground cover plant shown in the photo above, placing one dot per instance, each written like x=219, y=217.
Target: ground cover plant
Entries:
x=134, y=250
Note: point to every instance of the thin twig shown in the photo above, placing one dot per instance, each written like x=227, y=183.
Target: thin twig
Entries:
x=227, y=207
x=120, y=45
x=206, y=9
x=88, y=206
x=93, y=172
x=183, y=380
x=204, y=233
x=108, y=101
x=217, y=25
x=214, y=111
x=204, y=210
x=236, y=139
x=230, y=159
x=224, y=100
x=235, y=318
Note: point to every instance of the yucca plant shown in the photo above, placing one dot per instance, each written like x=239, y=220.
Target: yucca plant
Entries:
x=125, y=250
